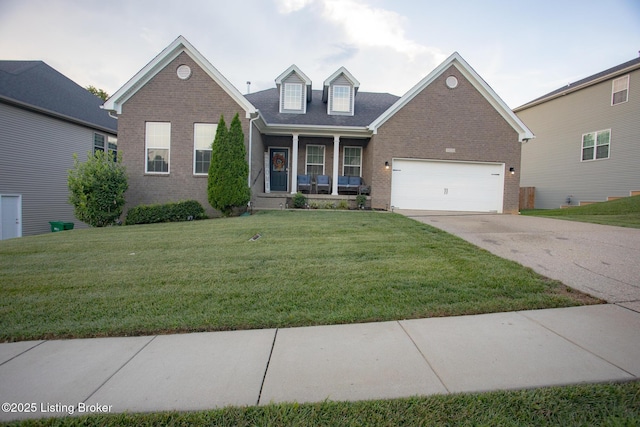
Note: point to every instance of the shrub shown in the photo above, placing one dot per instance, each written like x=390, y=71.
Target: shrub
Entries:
x=299, y=201
x=343, y=204
x=97, y=187
x=170, y=212
x=361, y=200
x=228, y=171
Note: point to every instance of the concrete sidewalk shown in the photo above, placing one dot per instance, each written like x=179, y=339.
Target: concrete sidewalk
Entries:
x=342, y=362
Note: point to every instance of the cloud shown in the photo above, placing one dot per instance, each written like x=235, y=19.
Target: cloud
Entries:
x=289, y=6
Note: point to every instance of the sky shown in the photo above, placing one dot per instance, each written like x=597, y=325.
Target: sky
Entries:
x=522, y=48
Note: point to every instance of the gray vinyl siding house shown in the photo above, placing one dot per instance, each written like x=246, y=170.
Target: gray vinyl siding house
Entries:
x=587, y=145
x=44, y=119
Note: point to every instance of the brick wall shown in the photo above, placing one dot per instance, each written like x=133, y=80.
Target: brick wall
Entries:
x=439, y=118
x=166, y=98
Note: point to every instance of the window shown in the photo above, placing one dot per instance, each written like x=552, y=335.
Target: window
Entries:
x=293, y=96
x=315, y=160
x=157, y=145
x=620, y=90
x=98, y=142
x=595, y=145
x=352, y=164
x=341, y=99
x=112, y=143
x=203, y=136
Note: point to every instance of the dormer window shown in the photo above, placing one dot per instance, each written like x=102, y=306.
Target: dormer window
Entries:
x=340, y=93
x=295, y=91
x=341, y=98
x=293, y=96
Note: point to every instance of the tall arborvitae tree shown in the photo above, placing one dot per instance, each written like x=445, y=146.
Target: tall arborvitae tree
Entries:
x=229, y=171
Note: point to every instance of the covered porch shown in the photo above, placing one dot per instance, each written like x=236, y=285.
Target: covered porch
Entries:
x=316, y=165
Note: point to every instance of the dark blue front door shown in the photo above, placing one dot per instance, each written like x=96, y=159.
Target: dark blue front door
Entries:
x=279, y=169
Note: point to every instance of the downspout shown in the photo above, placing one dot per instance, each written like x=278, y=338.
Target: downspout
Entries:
x=251, y=144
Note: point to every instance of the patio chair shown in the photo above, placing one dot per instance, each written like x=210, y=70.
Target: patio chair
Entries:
x=304, y=183
x=323, y=184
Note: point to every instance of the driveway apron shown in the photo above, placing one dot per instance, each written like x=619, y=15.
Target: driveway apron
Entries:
x=600, y=260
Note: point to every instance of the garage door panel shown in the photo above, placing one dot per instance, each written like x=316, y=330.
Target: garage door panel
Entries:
x=454, y=186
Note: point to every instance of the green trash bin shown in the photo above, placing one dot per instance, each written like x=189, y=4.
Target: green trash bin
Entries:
x=56, y=226
x=60, y=226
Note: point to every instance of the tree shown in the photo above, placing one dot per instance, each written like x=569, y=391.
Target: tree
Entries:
x=228, y=171
x=97, y=188
x=98, y=92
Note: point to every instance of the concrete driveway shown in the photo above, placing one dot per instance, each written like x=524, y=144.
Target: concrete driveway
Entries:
x=600, y=260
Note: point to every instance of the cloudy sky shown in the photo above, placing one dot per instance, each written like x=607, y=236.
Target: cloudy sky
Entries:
x=522, y=48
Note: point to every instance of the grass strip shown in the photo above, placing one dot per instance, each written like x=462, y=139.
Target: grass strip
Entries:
x=582, y=405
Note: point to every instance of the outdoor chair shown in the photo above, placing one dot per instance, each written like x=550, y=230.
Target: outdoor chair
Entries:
x=323, y=184
x=304, y=183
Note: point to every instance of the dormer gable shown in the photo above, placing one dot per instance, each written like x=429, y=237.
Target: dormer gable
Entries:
x=294, y=88
x=339, y=92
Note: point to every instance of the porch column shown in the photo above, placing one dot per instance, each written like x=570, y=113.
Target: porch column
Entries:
x=336, y=158
x=294, y=165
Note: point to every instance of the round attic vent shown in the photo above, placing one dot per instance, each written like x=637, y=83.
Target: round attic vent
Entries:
x=452, y=82
x=184, y=72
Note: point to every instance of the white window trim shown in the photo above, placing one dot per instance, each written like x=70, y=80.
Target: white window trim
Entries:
x=196, y=149
x=595, y=146
x=344, y=155
x=299, y=101
x=306, y=158
x=333, y=98
x=147, y=147
x=613, y=92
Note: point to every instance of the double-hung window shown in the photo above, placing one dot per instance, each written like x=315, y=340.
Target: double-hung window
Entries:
x=352, y=163
x=620, y=90
x=341, y=99
x=293, y=96
x=157, y=147
x=595, y=145
x=203, y=136
x=98, y=142
x=315, y=160
x=112, y=143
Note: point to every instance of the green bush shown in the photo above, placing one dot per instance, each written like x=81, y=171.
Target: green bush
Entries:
x=299, y=201
x=170, y=212
x=361, y=200
x=227, y=186
x=97, y=187
x=343, y=204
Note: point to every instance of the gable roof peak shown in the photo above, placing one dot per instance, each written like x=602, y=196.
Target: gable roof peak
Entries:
x=342, y=71
x=293, y=69
x=456, y=60
x=171, y=52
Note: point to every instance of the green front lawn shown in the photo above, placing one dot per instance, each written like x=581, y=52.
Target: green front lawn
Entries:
x=307, y=268
x=622, y=213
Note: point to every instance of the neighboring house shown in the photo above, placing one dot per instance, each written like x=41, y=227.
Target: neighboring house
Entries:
x=587, y=146
x=44, y=119
x=449, y=143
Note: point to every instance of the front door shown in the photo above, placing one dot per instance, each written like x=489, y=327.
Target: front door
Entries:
x=10, y=217
x=279, y=169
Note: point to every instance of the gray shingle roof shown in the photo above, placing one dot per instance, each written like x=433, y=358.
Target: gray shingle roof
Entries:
x=368, y=106
x=38, y=86
x=584, y=81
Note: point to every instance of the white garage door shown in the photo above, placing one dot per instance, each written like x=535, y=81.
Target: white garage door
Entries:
x=447, y=186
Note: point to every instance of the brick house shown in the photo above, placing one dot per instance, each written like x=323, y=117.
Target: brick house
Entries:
x=449, y=143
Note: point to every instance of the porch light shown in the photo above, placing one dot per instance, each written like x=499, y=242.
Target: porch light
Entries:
x=386, y=165
x=512, y=170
